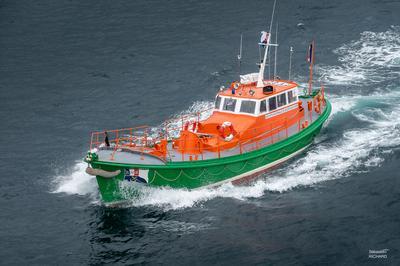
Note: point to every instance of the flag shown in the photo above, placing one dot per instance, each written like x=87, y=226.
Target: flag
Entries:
x=310, y=53
x=264, y=37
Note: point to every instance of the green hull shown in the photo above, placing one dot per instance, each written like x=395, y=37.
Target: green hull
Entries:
x=196, y=174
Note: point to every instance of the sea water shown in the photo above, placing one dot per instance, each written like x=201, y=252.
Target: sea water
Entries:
x=74, y=67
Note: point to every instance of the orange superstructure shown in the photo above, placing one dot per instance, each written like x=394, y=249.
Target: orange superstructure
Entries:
x=243, y=113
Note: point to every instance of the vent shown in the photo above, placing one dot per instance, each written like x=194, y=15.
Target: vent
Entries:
x=268, y=89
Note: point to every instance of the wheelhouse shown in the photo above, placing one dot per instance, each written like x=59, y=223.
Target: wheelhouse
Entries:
x=237, y=104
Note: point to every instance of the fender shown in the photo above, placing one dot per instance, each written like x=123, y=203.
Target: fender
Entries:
x=102, y=173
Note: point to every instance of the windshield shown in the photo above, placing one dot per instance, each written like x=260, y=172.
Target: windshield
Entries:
x=229, y=105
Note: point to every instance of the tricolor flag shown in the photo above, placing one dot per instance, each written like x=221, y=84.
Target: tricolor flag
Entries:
x=264, y=37
x=310, y=53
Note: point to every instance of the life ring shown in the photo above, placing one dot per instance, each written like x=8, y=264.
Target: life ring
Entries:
x=227, y=126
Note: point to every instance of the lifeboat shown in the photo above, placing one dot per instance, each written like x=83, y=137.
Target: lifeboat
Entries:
x=255, y=123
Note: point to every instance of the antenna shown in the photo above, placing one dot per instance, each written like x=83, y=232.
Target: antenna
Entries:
x=276, y=50
x=290, y=61
x=310, y=59
x=260, y=82
x=239, y=57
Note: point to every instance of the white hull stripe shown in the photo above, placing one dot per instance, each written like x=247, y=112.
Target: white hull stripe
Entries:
x=259, y=169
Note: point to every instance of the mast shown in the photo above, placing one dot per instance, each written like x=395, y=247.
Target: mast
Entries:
x=276, y=50
x=239, y=57
x=269, y=62
x=290, y=61
x=260, y=79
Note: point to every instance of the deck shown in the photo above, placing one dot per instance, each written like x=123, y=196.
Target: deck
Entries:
x=140, y=155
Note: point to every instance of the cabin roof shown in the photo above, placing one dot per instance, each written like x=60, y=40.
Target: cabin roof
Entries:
x=244, y=90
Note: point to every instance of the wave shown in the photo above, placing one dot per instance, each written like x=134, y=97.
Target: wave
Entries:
x=76, y=182
x=355, y=151
x=198, y=110
x=373, y=58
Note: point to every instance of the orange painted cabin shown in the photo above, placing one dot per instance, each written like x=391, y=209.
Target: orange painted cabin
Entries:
x=243, y=113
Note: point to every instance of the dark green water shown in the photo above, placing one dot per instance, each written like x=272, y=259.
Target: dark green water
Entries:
x=69, y=68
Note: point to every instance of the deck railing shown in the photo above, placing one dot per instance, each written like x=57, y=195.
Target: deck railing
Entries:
x=143, y=139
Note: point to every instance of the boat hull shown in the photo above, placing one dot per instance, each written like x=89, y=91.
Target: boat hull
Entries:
x=207, y=173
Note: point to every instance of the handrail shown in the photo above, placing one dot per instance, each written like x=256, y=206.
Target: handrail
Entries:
x=131, y=137
x=138, y=138
x=258, y=136
x=119, y=129
x=166, y=124
x=115, y=149
x=177, y=119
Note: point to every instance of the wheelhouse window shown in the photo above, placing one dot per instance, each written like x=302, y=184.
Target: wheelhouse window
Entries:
x=217, y=102
x=229, y=105
x=272, y=103
x=263, y=106
x=291, y=97
x=282, y=99
x=248, y=107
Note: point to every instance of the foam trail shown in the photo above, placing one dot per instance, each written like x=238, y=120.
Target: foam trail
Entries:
x=342, y=104
x=373, y=58
x=168, y=198
x=356, y=151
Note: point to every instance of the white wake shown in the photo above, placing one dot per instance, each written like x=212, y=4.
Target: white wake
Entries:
x=76, y=182
x=373, y=58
